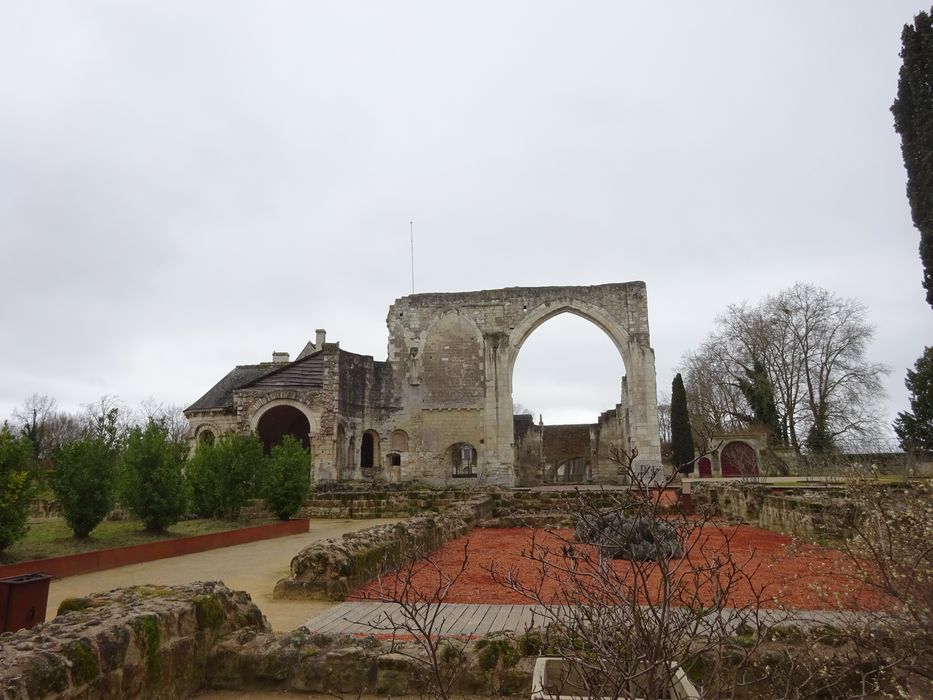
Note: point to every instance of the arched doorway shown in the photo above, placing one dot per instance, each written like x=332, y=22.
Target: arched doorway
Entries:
x=705, y=467
x=279, y=421
x=738, y=459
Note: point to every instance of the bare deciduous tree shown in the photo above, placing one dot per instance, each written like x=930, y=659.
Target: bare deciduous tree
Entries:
x=813, y=345
x=33, y=419
x=170, y=416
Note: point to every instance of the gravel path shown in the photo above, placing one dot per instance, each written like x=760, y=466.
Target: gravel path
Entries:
x=252, y=567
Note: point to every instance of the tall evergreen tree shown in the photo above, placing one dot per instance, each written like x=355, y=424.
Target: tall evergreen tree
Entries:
x=913, y=120
x=759, y=392
x=681, y=434
x=915, y=428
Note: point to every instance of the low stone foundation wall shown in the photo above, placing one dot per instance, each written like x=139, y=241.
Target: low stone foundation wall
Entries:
x=330, y=569
x=339, y=665
x=805, y=517
x=145, y=641
x=813, y=517
x=399, y=503
x=379, y=504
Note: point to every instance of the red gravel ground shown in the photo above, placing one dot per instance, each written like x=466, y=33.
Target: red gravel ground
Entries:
x=772, y=569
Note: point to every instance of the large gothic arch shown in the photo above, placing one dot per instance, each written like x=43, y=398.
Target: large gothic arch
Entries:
x=504, y=319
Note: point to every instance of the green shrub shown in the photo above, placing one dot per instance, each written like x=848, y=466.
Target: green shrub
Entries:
x=222, y=476
x=152, y=485
x=286, y=478
x=16, y=487
x=85, y=481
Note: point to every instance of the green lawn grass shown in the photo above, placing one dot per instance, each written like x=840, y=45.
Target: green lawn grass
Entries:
x=53, y=538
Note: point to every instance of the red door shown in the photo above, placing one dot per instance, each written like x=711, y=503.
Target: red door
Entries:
x=738, y=459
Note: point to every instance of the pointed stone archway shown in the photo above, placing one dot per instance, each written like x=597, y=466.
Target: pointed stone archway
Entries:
x=457, y=352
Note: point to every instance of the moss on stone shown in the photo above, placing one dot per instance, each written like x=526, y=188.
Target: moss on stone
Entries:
x=47, y=674
x=73, y=604
x=84, y=665
x=209, y=612
x=494, y=653
x=151, y=637
x=151, y=591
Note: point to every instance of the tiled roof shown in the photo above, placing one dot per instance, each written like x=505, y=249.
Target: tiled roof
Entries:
x=221, y=394
x=307, y=371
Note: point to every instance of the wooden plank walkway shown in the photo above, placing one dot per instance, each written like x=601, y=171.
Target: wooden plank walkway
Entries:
x=365, y=617
x=473, y=621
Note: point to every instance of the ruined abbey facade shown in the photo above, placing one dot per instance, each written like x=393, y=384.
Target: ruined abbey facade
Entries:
x=439, y=408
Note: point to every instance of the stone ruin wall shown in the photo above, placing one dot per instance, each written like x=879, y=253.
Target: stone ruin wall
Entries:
x=144, y=641
x=453, y=356
x=448, y=379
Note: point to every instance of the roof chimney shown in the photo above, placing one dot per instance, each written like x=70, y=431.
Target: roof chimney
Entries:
x=279, y=358
x=320, y=335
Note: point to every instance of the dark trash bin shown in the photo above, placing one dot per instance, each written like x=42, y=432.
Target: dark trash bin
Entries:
x=23, y=600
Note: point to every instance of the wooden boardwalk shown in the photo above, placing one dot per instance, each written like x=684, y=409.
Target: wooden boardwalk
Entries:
x=366, y=617
x=474, y=621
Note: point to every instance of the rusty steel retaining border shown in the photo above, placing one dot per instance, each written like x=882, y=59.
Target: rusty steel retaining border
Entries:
x=101, y=559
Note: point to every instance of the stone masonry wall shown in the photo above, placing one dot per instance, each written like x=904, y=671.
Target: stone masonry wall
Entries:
x=813, y=517
x=362, y=504
x=330, y=569
x=455, y=352
x=145, y=641
x=341, y=666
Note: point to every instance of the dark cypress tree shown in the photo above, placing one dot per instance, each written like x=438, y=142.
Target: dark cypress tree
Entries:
x=915, y=429
x=681, y=433
x=913, y=120
x=759, y=392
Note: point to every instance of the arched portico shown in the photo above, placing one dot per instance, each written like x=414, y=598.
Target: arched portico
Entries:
x=314, y=417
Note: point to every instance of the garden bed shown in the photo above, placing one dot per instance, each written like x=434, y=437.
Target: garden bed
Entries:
x=152, y=547
x=801, y=577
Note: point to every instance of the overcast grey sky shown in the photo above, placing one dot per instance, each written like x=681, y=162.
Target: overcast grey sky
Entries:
x=186, y=186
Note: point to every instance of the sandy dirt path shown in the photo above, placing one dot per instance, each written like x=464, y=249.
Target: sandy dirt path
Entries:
x=253, y=567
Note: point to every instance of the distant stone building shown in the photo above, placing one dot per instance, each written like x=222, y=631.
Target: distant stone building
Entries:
x=439, y=409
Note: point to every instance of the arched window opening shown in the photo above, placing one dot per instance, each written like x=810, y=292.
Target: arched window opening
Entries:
x=366, y=451
x=206, y=437
x=398, y=441
x=463, y=460
x=280, y=421
x=369, y=452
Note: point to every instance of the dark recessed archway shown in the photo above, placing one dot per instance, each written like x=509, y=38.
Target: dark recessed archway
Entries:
x=573, y=471
x=280, y=421
x=369, y=452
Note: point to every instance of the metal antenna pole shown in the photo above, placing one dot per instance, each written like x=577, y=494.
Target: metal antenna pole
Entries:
x=411, y=229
